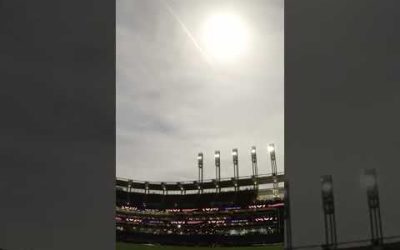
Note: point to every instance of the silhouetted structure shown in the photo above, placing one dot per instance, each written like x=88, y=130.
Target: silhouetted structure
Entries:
x=328, y=206
x=288, y=224
x=230, y=211
x=374, y=209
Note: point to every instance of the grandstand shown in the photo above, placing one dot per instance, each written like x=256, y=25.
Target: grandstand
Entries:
x=238, y=211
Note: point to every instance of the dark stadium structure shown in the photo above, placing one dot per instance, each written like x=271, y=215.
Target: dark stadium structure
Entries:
x=233, y=211
x=172, y=213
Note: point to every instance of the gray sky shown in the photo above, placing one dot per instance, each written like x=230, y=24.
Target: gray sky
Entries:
x=175, y=98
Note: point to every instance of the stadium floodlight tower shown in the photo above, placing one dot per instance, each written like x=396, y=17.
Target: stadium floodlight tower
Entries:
x=235, y=156
x=371, y=184
x=254, y=167
x=274, y=169
x=328, y=206
x=254, y=161
x=129, y=191
x=200, y=165
x=217, y=157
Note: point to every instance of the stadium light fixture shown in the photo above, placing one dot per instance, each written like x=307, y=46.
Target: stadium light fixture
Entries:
x=326, y=188
x=234, y=152
x=271, y=148
x=369, y=181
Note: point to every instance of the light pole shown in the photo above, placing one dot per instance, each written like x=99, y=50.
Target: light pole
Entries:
x=217, y=157
x=274, y=170
x=328, y=206
x=200, y=166
x=235, y=167
x=371, y=185
x=254, y=167
x=129, y=192
x=235, y=163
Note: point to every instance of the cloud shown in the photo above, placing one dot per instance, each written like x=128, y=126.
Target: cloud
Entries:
x=172, y=104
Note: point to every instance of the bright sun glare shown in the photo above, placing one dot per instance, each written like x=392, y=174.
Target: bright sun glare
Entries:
x=225, y=37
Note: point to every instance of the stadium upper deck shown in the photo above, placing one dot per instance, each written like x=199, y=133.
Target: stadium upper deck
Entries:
x=231, y=211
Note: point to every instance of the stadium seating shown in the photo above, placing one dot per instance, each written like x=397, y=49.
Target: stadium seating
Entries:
x=147, y=213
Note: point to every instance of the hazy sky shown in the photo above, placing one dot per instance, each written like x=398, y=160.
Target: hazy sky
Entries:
x=176, y=97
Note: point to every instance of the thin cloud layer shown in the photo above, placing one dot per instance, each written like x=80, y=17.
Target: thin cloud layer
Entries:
x=173, y=103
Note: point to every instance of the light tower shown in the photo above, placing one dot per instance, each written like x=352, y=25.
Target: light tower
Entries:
x=371, y=185
x=200, y=165
x=235, y=156
x=217, y=157
x=328, y=206
x=129, y=191
x=254, y=161
x=274, y=170
x=235, y=167
x=235, y=163
x=254, y=167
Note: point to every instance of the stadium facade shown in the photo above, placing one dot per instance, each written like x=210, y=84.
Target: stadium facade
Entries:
x=234, y=211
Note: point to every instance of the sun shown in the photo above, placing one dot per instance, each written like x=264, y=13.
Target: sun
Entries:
x=225, y=37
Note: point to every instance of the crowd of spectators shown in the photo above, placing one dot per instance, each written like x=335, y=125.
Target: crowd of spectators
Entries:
x=223, y=217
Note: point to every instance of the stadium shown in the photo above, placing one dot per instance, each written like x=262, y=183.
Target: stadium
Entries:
x=243, y=211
